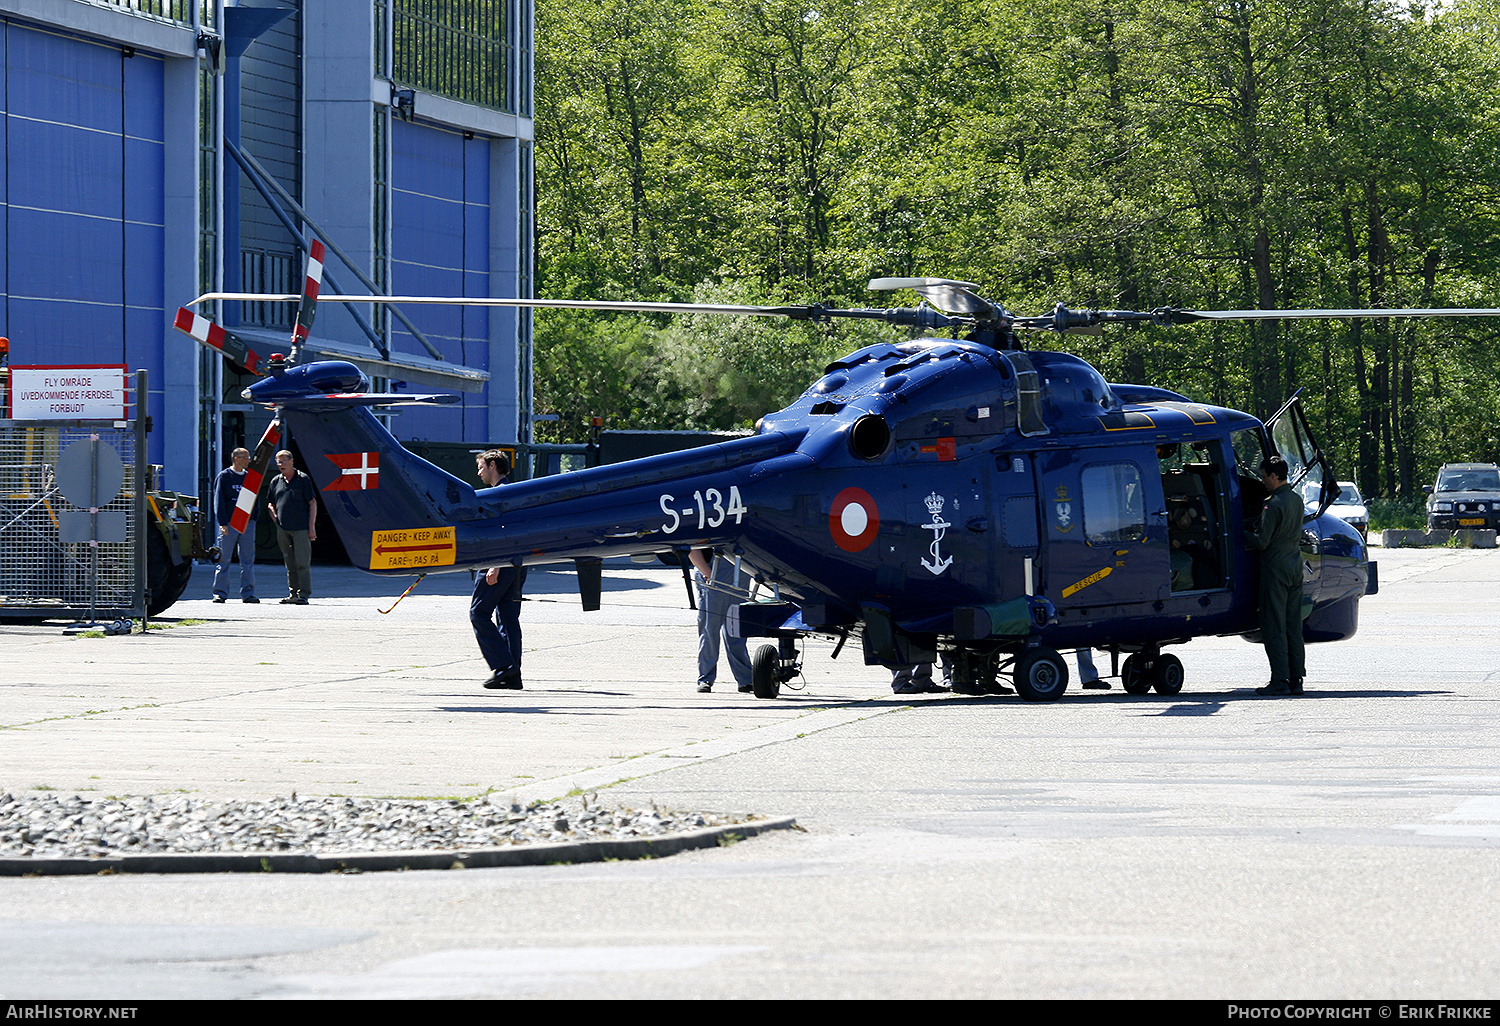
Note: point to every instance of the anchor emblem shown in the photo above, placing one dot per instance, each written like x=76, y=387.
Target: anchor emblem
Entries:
x=939, y=527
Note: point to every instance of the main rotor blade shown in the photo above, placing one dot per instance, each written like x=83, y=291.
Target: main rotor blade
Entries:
x=949, y=296
x=916, y=317
x=941, y=292
x=1186, y=316
x=1062, y=319
x=555, y=304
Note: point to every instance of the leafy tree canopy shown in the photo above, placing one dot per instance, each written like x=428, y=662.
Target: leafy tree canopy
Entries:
x=1255, y=154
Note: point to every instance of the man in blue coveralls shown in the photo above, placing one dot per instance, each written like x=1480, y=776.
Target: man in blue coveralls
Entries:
x=497, y=597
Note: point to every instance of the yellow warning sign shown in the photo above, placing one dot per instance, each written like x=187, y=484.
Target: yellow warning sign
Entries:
x=413, y=548
x=1094, y=578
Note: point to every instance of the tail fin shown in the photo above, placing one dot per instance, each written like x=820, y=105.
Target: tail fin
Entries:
x=395, y=512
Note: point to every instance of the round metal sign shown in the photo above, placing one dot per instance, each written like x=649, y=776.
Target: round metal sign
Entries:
x=77, y=478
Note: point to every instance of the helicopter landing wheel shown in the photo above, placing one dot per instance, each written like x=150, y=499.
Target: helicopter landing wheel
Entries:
x=764, y=678
x=1041, y=675
x=1167, y=674
x=1135, y=675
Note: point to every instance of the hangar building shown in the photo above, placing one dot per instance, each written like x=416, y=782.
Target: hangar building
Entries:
x=154, y=150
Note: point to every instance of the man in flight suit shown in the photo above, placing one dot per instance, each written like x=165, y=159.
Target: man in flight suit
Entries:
x=1278, y=537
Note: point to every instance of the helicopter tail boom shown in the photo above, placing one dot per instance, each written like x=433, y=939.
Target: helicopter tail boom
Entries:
x=399, y=514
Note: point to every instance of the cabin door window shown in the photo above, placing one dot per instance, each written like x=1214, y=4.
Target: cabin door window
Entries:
x=1114, y=511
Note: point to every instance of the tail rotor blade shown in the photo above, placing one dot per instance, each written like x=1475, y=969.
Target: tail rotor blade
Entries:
x=311, y=283
x=254, y=475
x=234, y=348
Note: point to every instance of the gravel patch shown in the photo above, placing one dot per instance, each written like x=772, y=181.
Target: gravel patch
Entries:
x=51, y=827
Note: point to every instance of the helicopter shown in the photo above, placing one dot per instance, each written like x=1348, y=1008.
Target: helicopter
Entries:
x=974, y=498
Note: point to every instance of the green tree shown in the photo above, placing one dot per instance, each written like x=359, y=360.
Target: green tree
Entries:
x=597, y=365
x=731, y=370
x=615, y=86
x=1234, y=154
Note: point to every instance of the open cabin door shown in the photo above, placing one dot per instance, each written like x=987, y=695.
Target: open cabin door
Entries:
x=1307, y=470
x=1195, y=475
x=1310, y=477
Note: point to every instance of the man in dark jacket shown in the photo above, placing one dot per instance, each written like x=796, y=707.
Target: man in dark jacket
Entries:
x=495, y=608
x=1278, y=536
x=293, y=501
x=226, y=495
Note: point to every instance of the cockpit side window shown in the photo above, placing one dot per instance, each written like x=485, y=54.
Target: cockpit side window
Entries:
x=1249, y=450
x=1029, y=419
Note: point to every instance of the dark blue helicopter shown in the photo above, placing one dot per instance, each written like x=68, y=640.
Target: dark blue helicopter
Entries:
x=970, y=498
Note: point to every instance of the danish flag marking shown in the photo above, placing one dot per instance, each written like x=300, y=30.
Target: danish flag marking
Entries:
x=359, y=471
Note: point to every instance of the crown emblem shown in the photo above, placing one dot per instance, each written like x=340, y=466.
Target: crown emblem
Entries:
x=934, y=503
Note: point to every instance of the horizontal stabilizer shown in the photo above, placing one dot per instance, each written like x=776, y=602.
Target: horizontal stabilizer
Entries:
x=349, y=401
x=326, y=387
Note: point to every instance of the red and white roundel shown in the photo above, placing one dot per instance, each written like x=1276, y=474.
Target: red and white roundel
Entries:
x=854, y=519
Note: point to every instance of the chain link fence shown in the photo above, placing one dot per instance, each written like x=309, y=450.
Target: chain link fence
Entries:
x=58, y=560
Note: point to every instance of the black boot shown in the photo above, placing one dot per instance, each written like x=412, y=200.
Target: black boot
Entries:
x=508, y=679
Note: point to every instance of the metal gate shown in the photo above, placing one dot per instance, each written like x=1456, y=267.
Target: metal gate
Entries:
x=53, y=563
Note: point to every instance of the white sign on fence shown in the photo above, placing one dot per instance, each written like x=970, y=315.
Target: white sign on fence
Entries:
x=91, y=392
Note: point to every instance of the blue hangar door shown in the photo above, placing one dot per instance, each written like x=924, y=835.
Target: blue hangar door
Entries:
x=81, y=203
x=440, y=246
